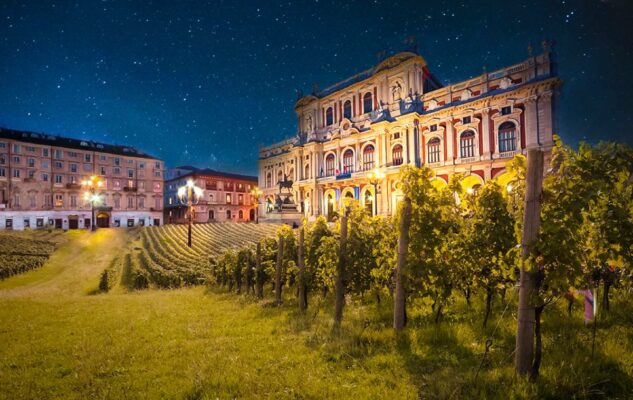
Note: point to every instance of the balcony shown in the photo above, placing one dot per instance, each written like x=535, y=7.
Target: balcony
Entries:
x=75, y=186
x=130, y=189
x=211, y=187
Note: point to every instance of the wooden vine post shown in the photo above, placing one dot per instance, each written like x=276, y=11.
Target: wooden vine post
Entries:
x=280, y=258
x=339, y=286
x=302, y=292
x=399, y=307
x=259, y=273
x=528, y=289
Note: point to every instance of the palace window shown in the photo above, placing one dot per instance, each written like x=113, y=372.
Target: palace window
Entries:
x=229, y=199
x=228, y=214
x=130, y=202
x=433, y=150
x=433, y=128
x=507, y=137
x=329, y=116
x=347, y=109
x=59, y=200
x=368, y=157
x=269, y=180
x=329, y=164
x=506, y=110
x=306, y=174
x=141, y=202
x=397, y=154
x=348, y=161
x=368, y=103
x=466, y=120
x=240, y=214
x=467, y=144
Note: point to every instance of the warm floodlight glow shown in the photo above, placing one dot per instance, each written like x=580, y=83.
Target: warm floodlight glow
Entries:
x=470, y=190
x=509, y=188
x=190, y=183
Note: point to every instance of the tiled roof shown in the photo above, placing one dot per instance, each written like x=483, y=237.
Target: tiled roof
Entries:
x=66, y=142
x=211, y=172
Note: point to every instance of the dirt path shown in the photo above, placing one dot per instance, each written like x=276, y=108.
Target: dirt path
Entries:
x=72, y=270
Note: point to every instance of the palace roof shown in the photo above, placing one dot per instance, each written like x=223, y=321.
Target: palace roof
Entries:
x=70, y=143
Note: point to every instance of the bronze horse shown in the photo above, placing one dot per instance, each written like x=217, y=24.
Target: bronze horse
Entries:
x=285, y=184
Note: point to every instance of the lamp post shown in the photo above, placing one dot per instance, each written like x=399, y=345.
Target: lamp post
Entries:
x=189, y=195
x=256, y=193
x=375, y=176
x=91, y=185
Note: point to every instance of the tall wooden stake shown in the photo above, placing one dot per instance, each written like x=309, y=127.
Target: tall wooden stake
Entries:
x=339, y=286
x=303, y=299
x=280, y=257
x=259, y=281
x=528, y=284
x=399, y=310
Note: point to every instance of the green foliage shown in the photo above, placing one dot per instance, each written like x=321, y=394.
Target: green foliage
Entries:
x=586, y=217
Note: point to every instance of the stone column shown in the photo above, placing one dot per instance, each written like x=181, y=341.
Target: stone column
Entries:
x=485, y=132
x=449, y=142
x=531, y=123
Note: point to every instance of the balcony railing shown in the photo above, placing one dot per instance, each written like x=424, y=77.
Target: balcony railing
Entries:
x=73, y=186
x=130, y=189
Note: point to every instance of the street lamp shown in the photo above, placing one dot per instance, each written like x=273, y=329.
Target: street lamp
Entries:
x=91, y=185
x=375, y=177
x=189, y=195
x=256, y=193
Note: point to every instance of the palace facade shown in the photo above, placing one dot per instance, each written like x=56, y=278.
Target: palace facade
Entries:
x=41, y=175
x=397, y=113
x=226, y=197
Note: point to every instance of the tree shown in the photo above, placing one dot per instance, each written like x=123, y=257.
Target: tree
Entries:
x=490, y=232
x=422, y=272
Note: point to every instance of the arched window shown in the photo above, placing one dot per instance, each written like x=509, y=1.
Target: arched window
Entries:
x=467, y=144
x=240, y=214
x=329, y=165
x=348, y=161
x=507, y=137
x=347, y=109
x=306, y=173
x=368, y=103
x=397, y=154
x=291, y=174
x=228, y=214
x=211, y=215
x=211, y=199
x=368, y=157
x=433, y=150
x=329, y=116
x=269, y=179
x=280, y=176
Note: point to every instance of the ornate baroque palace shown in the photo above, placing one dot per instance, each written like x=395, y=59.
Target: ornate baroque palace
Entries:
x=41, y=183
x=397, y=113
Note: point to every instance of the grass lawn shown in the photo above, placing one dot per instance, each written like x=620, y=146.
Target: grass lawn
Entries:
x=61, y=340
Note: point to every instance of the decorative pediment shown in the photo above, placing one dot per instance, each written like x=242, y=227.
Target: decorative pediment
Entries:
x=505, y=83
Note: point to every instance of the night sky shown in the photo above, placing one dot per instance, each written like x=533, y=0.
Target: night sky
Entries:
x=207, y=84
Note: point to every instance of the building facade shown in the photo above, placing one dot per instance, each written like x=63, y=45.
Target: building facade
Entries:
x=41, y=175
x=397, y=113
x=226, y=197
